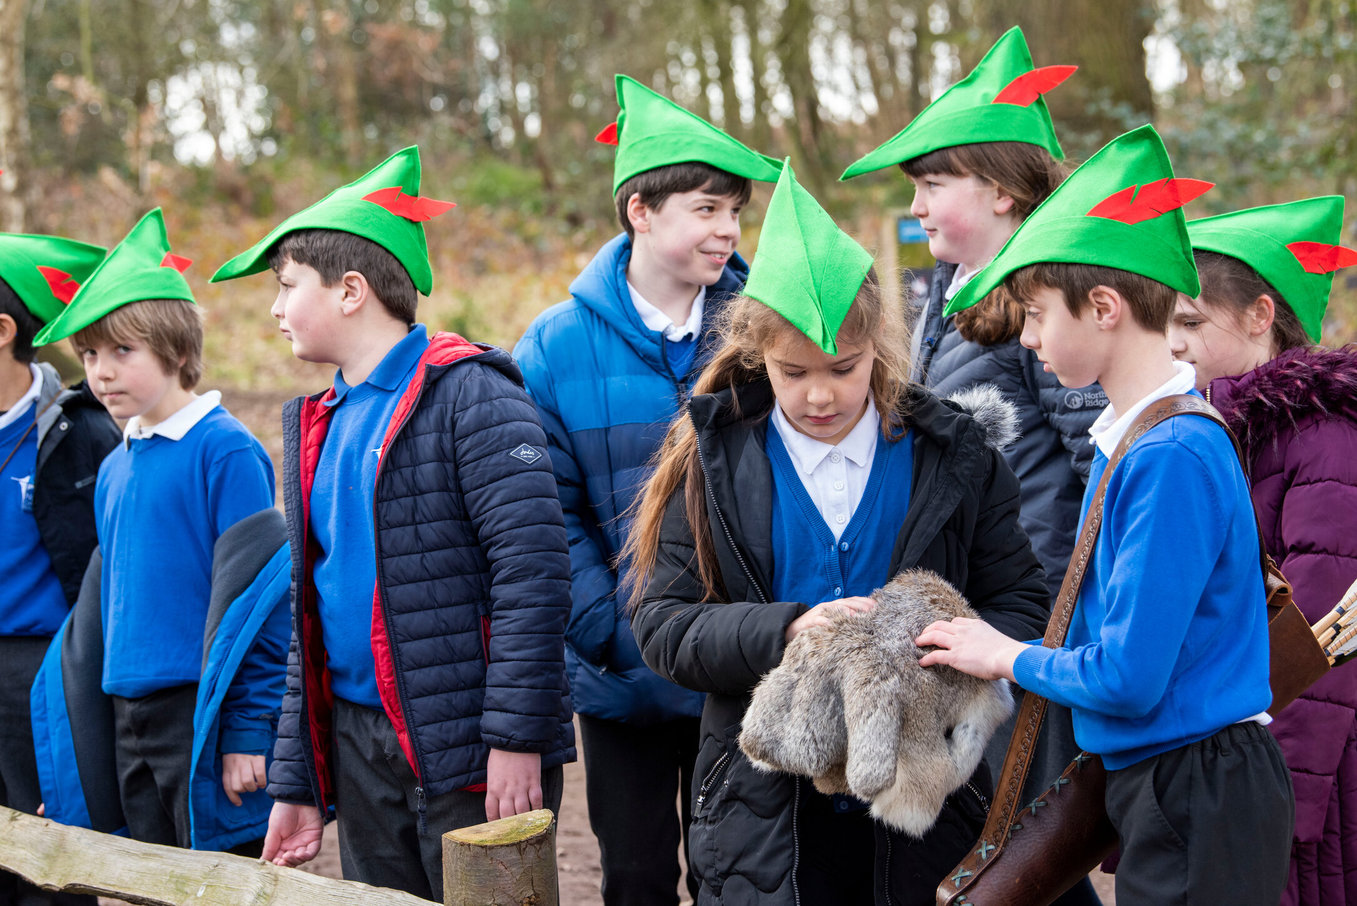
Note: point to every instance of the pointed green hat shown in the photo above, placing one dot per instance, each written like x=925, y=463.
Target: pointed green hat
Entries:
x=1000, y=101
x=140, y=267
x=1121, y=209
x=384, y=205
x=806, y=269
x=1292, y=246
x=46, y=271
x=652, y=131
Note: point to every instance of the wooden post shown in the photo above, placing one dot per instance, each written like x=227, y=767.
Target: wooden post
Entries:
x=509, y=862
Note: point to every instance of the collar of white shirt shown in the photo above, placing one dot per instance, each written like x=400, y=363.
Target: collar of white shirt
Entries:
x=1107, y=430
x=807, y=452
x=960, y=277
x=654, y=319
x=178, y=424
x=30, y=396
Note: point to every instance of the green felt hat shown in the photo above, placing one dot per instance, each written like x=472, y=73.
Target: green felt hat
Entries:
x=1292, y=246
x=1000, y=101
x=384, y=205
x=1121, y=209
x=140, y=267
x=806, y=269
x=46, y=271
x=652, y=131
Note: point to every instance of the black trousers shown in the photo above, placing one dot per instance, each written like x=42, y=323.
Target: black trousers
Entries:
x=1209, y=822
x=638, y=783
x=20, y=658
x=380, y=841
x=153, y=740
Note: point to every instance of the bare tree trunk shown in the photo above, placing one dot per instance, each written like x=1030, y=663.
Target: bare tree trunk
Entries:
x=13, y=116
x=759, y=129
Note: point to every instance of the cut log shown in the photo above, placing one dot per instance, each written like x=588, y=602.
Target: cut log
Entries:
x=509, y=862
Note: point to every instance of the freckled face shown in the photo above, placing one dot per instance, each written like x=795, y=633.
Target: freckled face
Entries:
x=823, y=396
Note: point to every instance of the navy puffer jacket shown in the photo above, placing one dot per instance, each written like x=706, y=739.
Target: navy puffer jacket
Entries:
x=473, y=581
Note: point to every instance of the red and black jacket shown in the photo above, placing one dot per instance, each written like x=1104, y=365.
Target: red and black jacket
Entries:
x=473, y=581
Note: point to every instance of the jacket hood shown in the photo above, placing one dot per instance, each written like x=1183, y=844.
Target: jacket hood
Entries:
x=602, y=288
x=1279, y=394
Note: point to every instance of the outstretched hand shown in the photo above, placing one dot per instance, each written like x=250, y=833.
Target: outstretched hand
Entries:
x=294, y=834
x=971, y=646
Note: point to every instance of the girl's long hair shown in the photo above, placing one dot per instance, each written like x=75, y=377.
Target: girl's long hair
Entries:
x=1231, y=286
x=748, y=329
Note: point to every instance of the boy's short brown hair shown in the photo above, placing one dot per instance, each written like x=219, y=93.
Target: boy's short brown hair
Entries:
x=1151, y=302
x=655, y=186
x=26, y=324
x=333, y=253
x=172, y=328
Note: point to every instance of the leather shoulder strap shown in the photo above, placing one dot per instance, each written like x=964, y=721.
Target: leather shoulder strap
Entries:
x=1018, y=760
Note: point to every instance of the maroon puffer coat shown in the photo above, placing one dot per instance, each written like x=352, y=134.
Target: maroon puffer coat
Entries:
x=1296, y=417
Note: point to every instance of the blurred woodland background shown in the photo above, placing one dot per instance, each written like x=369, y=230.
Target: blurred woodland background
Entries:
x=232, y=114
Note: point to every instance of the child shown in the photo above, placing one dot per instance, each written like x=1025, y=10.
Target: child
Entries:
x=1166, y=663
x=427, y=685
x=805, y=474
x=186, y=472
x=608, y=371
x=1265, y=275
x=981, y=158
x=51, y=442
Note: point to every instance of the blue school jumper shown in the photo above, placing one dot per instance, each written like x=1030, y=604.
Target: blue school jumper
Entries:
x=1168, y=643
x=341, y=516
x=34, y=604
x=160, y=506
x=809, y=565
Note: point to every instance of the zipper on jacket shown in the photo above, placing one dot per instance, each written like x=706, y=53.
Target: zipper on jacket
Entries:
x=401, y=696
x=721, y=517
x=984, y=803
x=796, y=842
x=421, y=806
x=710, y=780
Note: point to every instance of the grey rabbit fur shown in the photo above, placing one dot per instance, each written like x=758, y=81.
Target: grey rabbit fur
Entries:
x=850, y=707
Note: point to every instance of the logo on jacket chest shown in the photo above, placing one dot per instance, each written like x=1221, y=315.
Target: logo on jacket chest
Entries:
x=526, y=453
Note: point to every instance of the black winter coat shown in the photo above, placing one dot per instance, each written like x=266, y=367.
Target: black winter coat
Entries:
x=75, y=433
x=962, y=522
x=473, y=577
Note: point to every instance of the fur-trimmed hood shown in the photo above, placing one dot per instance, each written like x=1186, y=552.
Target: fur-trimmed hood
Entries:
x=1278, y=395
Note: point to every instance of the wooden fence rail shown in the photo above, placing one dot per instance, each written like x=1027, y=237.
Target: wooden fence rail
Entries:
x=76, y=860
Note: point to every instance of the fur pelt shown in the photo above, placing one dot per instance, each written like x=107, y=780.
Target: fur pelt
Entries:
x=986, y=404
x=1277, y=395
x=850, y=707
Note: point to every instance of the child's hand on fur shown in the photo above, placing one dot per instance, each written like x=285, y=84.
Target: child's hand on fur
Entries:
x=971, y=646
x=824, y=614
x=242, y=774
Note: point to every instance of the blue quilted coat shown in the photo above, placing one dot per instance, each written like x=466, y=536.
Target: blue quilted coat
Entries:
x=606, y=395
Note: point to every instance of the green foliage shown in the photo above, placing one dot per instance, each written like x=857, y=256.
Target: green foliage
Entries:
x=492, y=183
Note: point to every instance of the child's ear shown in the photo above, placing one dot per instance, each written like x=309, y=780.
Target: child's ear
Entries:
x=1260, y=315
x=638, y=212
x=1003, y=203
x=9, y=329
x=354, y=292
x=1108, y=306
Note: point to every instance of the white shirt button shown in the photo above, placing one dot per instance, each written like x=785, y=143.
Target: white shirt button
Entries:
x=841, y=519
x=835, y=456
x=838, y=485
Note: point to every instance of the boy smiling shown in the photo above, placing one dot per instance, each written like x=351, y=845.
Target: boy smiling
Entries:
x=608, y=369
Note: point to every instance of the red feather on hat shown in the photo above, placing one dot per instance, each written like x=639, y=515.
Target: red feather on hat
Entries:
x=608, y=136
x=416, y=208
x=1026, y=88
x=1322, y=258
x=178, y=262
x=1152, y=199
x=63, y=287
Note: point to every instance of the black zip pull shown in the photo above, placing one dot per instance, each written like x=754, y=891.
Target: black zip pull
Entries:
x=422, y=805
